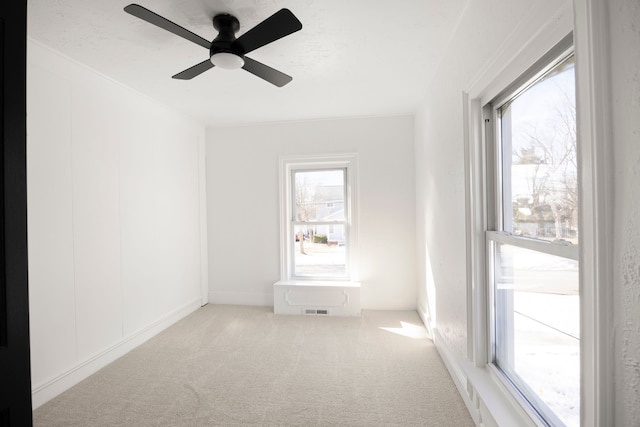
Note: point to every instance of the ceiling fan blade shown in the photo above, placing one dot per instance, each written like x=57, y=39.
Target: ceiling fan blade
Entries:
x=194, y=71
x=157, y=20
x=265, y=72
x=280, y=24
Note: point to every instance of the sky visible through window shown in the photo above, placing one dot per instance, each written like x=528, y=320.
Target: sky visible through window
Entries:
x=543, y=164
x=537, y=293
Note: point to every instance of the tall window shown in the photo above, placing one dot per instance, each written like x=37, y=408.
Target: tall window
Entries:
x=318, y=230
x=533, y=237
x=318, y=223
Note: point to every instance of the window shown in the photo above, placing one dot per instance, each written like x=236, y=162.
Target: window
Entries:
x=532, y=240
x=317, y=210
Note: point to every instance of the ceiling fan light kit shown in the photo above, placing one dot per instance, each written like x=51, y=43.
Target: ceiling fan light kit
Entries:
x=226, y=51
x=227, y=61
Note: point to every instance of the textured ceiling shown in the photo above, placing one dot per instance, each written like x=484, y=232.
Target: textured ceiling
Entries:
x=351, y=58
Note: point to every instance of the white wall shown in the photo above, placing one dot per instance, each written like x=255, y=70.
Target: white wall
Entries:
x=490, y=36
x=490, y=32
x=624, y=26
x=243, y=210
x=116, y=228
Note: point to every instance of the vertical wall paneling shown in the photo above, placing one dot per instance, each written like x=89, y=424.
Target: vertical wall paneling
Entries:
x=137, y=216
x=177, y=215
x=96, y=221
x=115, y=197
x=50, y=222
x=202, y=178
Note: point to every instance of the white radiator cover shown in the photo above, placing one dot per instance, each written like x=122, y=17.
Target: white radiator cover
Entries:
x=326, y=298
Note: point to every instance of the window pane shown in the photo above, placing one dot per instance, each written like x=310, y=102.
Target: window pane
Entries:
x=319, y=195
x=538, y=135
x=537, y=329
x=319, y=252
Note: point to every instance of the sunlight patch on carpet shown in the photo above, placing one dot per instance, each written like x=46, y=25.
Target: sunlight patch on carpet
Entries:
x=409, y=330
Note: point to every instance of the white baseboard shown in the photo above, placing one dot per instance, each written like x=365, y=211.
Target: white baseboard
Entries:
x=241, y=298
x=457, y=374
x=46, y=391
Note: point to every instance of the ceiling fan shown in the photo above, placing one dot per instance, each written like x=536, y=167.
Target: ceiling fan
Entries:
x=227, y=51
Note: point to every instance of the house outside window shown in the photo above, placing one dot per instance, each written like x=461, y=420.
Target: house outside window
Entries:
x=318, y=231
x=532, y=240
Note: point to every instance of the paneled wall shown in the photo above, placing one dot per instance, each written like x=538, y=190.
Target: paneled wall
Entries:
x=117, y=231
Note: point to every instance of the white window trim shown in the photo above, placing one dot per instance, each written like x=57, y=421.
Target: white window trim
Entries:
x=348, y=161
x=595, y=187
x=595, y=190
x=495, y=179
x=551, y=248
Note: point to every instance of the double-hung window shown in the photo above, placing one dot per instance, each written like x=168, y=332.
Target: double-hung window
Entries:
x=532, y=240
x=318, y=204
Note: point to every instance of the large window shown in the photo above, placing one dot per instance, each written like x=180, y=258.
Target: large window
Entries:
x=318, y=231
x=532, y=240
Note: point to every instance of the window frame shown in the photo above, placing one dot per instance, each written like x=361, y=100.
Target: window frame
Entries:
x=294, y=222
x=493, y=194
x=588, y=23
x=290, y=164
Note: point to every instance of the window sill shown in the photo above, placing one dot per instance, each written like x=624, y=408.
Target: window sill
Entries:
x=495, y=398
x=318, y=283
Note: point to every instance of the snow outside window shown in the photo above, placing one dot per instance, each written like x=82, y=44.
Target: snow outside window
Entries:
x=533, y=241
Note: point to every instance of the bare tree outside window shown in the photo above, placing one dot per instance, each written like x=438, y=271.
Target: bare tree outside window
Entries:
x=535, y=285
x=304, y=207
x=319, y=222
x=543, y=161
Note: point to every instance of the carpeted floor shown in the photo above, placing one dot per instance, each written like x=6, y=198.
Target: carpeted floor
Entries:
x=245, y=366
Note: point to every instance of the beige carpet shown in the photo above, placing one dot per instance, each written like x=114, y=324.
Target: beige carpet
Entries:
x=235, y=366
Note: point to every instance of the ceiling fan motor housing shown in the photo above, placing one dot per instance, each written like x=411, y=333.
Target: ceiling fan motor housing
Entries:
x=227, y=26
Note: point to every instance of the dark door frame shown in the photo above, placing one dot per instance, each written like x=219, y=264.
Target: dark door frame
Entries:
x=15, y=376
